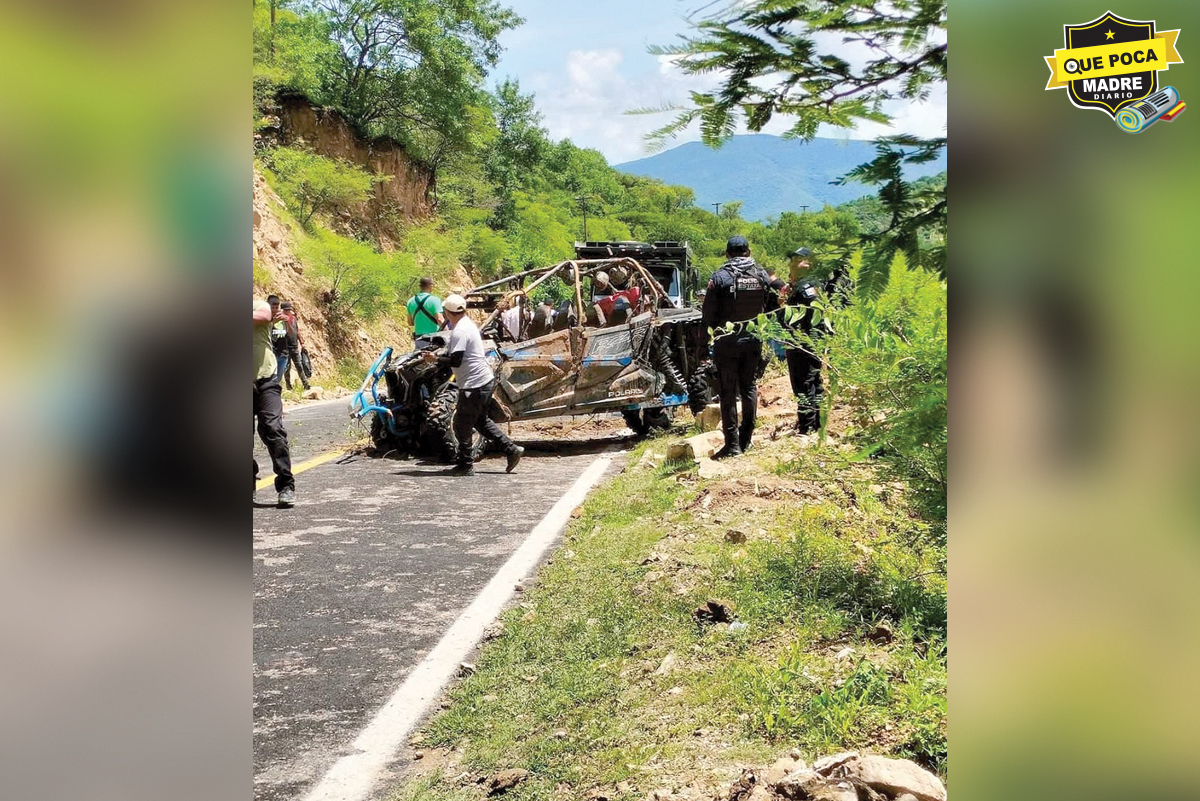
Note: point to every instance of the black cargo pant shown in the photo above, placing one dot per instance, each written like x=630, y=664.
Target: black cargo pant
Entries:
x=737, y=362
x=268, y=408
x=804, y=370
x=471, y=414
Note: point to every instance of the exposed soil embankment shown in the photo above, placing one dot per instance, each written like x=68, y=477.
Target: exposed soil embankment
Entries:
x=273, y=254
x=287, y=277
x=405, y=197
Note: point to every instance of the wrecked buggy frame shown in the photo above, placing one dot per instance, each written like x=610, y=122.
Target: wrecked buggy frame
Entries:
x=643, y=366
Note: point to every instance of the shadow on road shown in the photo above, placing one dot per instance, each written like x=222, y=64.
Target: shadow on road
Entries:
x=542, y=448
x=534, y=449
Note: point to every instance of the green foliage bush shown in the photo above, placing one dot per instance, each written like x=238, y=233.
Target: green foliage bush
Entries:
x=888, y=365
x=489, y=253
x=357, y=279
x=310, y=184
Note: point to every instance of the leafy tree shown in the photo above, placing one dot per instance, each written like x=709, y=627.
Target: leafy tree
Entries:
x=887, y=361
x=290, y=51
x=490, y=253
x=916, y=212
x=310, y=184
x=518, y=149
x=540, y=234
x=408, y=68
x=832, y=234
x=772, y=61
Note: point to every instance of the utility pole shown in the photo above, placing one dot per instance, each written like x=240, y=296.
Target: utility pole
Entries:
x=803, y=209
x=718, y=207
x=582, y=200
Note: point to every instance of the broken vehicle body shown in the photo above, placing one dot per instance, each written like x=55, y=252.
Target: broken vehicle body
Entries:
x=634, y=349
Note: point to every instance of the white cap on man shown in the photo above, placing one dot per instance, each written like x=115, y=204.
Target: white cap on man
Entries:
x=456, y=304
x=602, y=278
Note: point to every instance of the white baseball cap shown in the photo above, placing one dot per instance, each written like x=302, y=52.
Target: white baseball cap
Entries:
x=455, y=303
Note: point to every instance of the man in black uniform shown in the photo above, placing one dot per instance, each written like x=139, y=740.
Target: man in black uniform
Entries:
x=739, y=291
x=804, y=366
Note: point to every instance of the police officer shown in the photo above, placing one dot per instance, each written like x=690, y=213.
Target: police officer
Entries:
x=804, y=365
x=739, y=291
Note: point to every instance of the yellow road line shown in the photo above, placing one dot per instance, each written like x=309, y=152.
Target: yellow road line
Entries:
x=269, y=481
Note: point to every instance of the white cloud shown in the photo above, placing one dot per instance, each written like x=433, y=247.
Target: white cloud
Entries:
x=588, y=100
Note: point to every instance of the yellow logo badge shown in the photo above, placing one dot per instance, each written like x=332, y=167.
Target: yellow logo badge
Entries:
x=1111, y=64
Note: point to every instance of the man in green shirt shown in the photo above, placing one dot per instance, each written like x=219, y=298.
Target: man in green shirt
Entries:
x=425, y=310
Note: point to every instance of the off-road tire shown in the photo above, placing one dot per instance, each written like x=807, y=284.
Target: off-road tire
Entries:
x=381, y=440
x=437, y=434
x=633, y=419
x=642, y=421
x=700, y=390
x=656, y=418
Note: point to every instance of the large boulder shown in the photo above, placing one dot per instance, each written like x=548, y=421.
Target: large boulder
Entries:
x=808, y=785
x=709, y=418
x=893, y=777
x=706, y=444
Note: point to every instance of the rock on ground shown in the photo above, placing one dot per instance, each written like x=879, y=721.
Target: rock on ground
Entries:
x=680, y=452
x=848, y=776
x=808, y=785
x=893, y=777
x=505, y=780
x=705, y=445
x=709, y=418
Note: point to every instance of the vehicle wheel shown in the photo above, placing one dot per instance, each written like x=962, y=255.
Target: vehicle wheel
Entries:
x=644, y=420
x=656, y=418
x=437, y=436
x=380, y=438
x=633, y=419
x=700, y=391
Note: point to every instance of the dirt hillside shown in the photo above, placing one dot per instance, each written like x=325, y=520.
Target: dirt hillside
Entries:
x=281, y=273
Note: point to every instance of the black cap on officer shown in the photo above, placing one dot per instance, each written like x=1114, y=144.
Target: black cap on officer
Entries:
x=802, y=253
x=737, y=246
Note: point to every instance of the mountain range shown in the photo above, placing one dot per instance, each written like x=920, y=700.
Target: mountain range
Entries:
x=768, y=174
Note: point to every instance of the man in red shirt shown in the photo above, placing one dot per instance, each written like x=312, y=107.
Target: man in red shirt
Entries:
x=618, y=307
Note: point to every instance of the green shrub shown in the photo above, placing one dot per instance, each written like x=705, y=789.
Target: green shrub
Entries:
x=434, y=249
x=310, y=184
x=490, y=253
x=357, y=280
x=888, y=364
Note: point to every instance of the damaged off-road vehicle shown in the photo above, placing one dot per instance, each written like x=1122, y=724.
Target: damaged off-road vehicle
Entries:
x=628, y=347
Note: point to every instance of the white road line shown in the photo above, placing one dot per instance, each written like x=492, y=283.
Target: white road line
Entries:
x=353, y=777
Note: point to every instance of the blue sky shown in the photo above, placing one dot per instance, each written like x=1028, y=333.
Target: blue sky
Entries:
x=586, y=63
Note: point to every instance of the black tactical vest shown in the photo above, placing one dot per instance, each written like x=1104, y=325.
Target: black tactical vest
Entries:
x=748, y=294
x=803, y=293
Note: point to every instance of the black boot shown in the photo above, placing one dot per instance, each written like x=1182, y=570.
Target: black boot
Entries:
x=744, y=438
x=732, y=448
x=727, y=451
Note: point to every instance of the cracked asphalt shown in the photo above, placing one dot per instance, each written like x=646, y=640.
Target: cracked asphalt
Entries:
x=356, y=583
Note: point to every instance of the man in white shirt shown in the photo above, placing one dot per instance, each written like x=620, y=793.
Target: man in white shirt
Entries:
x=476, y=383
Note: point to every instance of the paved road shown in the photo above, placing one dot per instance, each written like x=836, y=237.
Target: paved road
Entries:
x=358, y=582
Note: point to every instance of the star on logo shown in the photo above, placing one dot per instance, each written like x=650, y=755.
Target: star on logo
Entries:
x=1108, y=34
